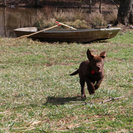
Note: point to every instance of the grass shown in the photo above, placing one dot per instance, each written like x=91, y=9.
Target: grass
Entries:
x=38, y=95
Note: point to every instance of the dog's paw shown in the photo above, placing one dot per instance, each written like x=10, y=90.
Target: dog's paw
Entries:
x=96, y=87
x=91, y=92
x=83, y=97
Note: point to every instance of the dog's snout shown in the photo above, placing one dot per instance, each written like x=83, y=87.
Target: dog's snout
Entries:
x=98, y=69
x=99, y=66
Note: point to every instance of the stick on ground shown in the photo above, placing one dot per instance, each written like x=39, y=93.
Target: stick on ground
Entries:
x=111, y=99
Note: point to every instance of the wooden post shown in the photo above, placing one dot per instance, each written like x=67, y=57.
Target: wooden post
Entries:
x=5, y=22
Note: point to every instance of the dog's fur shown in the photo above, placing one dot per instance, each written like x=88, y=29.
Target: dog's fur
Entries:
x=91, y=72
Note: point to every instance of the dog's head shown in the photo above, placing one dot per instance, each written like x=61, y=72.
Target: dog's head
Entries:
x=96, y=61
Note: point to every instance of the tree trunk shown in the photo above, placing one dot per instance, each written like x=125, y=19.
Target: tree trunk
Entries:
x=4, y=2
x=100, y=6
x=90, y=2
x=37, y=2
x=125, y=12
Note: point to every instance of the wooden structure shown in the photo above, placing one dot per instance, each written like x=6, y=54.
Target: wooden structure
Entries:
x=79, y=35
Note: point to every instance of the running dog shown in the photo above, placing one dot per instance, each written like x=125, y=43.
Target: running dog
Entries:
x=91, y=72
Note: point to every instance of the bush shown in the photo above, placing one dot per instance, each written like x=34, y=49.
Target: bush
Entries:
x=96, y=20
x=111, y=17
x=77, y=19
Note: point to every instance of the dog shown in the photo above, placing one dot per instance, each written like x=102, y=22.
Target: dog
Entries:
x=91, y=72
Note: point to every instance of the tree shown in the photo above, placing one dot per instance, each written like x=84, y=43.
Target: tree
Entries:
x=125, y=12
x=36, y=3
x=4, y=1
x=100, y=6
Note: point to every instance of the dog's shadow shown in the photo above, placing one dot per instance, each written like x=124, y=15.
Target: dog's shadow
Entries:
x=62, y=100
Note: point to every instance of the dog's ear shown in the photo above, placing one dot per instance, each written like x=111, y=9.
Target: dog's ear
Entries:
x=89, y=55
x=103, y=54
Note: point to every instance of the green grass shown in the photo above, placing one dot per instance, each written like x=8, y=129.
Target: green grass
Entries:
x=37, y=94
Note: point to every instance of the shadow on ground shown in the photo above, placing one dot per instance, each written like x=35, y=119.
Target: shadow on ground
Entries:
x=62, y=100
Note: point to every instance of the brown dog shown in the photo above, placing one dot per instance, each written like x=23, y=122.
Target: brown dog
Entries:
x=91, y=72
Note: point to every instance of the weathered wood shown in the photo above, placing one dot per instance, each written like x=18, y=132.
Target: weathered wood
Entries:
x=70, y=27
x=34, y=33
x=81, y=35
x=58, y=24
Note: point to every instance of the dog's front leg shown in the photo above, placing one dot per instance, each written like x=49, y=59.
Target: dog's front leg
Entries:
x=82, y=83
x=90, y=86
x=98, y=84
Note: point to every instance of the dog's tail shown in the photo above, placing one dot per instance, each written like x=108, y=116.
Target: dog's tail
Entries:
x=74, y=73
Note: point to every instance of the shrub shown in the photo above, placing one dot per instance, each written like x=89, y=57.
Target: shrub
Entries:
x=96, y=20
x=77, y=19
x=111, y=17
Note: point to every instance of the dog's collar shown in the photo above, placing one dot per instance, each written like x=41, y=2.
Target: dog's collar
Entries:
x=92, y=72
